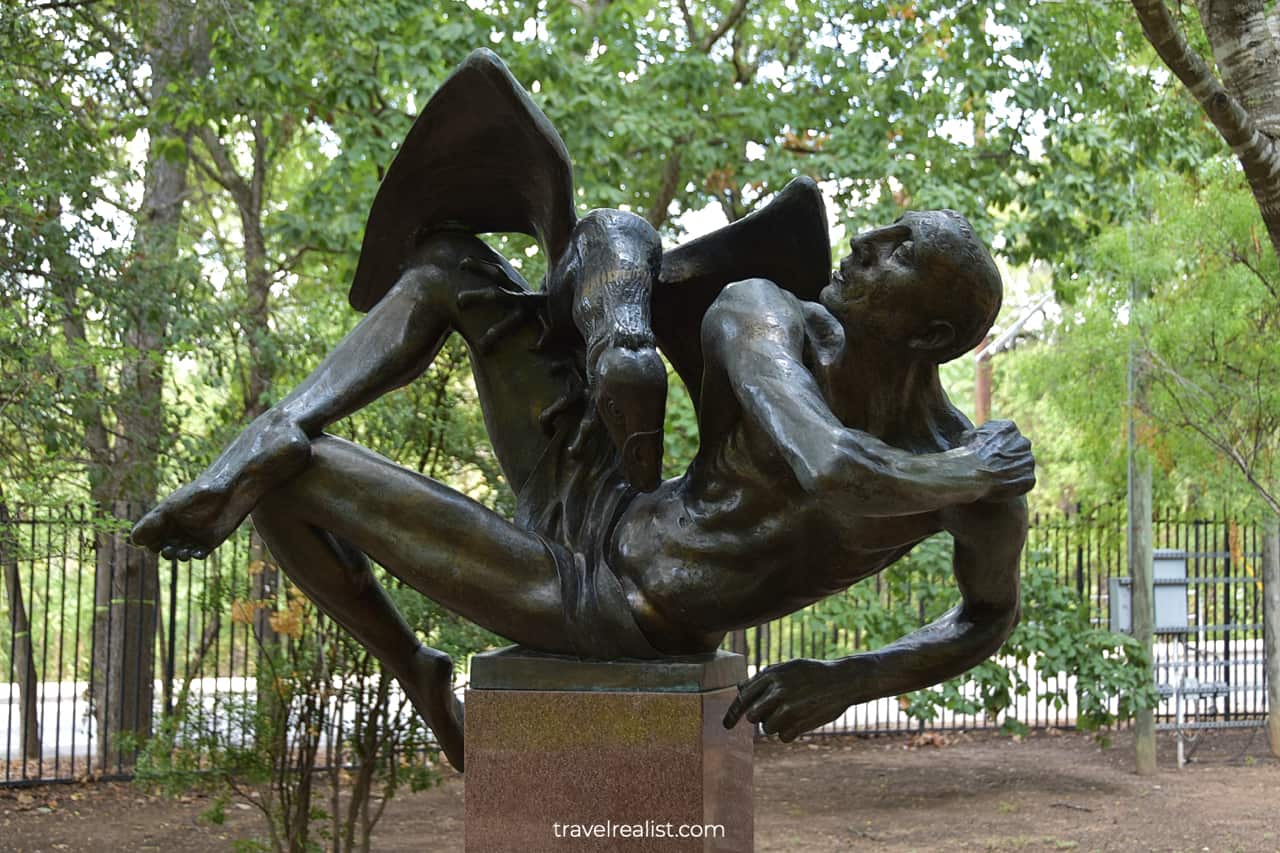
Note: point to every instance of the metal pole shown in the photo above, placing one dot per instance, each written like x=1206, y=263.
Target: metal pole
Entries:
x=1140, y=546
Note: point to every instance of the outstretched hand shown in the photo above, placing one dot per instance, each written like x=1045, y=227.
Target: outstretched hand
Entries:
x=1004, y=459
x=789, y=699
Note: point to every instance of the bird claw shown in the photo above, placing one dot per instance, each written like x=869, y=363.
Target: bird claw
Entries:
x=573, y=396
x=505, y=293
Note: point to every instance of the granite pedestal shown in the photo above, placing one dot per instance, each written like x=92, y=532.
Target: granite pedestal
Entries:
x=564, y=754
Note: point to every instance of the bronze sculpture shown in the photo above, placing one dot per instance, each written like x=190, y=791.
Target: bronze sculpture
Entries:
x=827, y=445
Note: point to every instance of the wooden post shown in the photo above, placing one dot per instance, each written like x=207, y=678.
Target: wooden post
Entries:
x=982, y=375
x=23, y=667
x=1271, y=625
x=1141, y=570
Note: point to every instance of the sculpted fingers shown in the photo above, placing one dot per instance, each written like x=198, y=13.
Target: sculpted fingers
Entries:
x=158, y=533
x=748, y=692
x=1005, y=458
x=765, y=705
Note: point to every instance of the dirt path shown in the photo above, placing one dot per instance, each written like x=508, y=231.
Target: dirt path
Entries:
x=969, y=792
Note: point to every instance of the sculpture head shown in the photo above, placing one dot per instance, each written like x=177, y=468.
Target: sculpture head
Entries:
x=614, y=261
x=924, y=286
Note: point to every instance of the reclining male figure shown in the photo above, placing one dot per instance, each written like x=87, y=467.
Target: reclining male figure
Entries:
x=828, y=449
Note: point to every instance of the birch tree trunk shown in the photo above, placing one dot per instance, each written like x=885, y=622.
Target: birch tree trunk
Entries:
x=1244, y=104
x=1271, y=625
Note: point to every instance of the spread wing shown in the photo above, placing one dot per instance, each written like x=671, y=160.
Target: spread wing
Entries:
x=481, y=157
x=786, y=241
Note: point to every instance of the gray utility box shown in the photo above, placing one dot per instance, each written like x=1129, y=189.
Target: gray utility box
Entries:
x=1170, y=594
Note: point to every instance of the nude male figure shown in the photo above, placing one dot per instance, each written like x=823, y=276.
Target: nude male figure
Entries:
x=827, y=450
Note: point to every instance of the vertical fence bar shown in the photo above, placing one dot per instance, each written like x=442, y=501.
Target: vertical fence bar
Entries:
x=13, y=653
x=31, y=594
x=62, y=615
x=172, y=638
x=75, y=669
x=1228, y=611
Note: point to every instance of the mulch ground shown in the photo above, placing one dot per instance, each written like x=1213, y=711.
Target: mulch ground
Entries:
x=1051, y=791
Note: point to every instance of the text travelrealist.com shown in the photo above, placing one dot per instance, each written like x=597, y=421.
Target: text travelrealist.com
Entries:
x=647, y=829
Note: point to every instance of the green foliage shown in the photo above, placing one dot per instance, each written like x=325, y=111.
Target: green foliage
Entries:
x=1203, y=333
x=322, y=713
x=1055, y=636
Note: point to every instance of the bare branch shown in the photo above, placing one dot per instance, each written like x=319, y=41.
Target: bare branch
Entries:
x=1185, y=395
x=1243, y=259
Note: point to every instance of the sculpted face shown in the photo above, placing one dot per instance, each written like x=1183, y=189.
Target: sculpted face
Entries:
x=922, y=285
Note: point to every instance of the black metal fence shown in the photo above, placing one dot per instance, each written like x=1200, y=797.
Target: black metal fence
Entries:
x=61, y=569
x=1219, y=654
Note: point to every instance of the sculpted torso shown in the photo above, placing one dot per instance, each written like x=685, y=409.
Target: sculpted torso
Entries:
x=737, y=540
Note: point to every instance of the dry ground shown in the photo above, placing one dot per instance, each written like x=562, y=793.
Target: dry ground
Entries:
x=967, y=792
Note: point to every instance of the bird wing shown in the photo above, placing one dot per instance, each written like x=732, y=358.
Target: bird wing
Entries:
x=786, y=241
x=481, y=157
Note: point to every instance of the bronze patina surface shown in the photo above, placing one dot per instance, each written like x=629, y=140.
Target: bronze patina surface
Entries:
x=827, y=446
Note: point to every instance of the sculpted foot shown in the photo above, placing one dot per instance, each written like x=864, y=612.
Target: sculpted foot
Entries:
x=201, y=515
x=428, y=682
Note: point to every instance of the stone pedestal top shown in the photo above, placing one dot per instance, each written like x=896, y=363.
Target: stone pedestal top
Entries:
x=518, y=668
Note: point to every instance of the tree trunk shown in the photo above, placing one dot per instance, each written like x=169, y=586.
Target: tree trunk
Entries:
x=1141, y=567
x=1271, y=625
x=256, y=323
x=125, y=613
x=24, y=660
x=126, y=477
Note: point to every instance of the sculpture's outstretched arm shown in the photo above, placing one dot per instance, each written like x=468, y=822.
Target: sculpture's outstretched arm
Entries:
x=800, y=695
x=757, y=332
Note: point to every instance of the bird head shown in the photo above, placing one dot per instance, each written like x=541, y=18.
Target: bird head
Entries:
x=617, y=259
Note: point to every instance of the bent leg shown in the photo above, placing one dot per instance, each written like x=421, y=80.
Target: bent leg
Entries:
x=392, y=345
x=337, y=577
x=438, y=541
x=349, y=502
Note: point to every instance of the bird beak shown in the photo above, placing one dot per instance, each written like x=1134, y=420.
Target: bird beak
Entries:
x=632, y=402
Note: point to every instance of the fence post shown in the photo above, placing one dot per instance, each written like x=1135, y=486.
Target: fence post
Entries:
x=22, y=666
x=1271, y=625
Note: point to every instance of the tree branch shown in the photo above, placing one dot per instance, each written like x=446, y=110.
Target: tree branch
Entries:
x=258, y=181
x=730, y=20
x=225, y=173
x=694, y=37
x=1256, y=151
x=658, y=210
